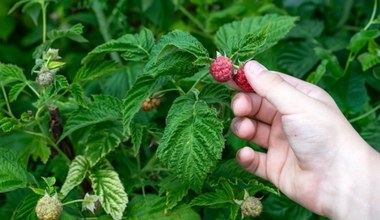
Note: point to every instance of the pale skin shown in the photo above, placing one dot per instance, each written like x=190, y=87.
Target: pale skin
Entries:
x=314, y=156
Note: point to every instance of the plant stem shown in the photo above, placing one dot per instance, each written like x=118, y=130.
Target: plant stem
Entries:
x=349, y=60
x=73, y=201
x=178, y=88
x=352, y=56
x=377, y=107
x=103, y=26
x=49, y=142
x=372, y=16
x=158, y=93
x=191, y=17
x=7, y=102
x=199, y=80
x=346, y=13
x=43, y=8
x=33, y=90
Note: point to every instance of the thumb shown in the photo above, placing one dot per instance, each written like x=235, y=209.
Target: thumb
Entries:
x=271, y=86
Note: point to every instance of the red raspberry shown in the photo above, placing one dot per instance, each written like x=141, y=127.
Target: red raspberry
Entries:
x=222, y=69
x=242, y=81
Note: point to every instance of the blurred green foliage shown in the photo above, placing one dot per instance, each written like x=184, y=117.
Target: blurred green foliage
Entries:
x=331, y=46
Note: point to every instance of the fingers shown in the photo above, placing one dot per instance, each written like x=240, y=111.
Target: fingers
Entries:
x=252, y=130
x=309, y=89
x=271, y=86
x=250, y=104
x=253, y=161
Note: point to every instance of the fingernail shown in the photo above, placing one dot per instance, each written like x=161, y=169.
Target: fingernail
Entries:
x=235, y=125
x=252, y=68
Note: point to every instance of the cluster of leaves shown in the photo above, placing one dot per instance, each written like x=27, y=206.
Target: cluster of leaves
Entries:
x=175, y=162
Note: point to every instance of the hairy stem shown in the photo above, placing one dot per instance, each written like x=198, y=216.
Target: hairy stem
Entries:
x=191, y=17
x=346, y=13
x=7, y=101
x=32, y=88
x=377, y=107
x=199, y=80
x=178, y=88
x=43, y=8
x=72, y=201
x=350, y=58
x=372, y=16
x=159, y=93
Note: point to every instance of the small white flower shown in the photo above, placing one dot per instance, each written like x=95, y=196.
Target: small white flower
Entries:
x=89, y=202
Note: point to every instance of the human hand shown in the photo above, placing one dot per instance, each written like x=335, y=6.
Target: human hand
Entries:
x=313, y=154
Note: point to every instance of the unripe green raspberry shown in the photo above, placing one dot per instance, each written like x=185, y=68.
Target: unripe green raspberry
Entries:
x=49, y=208
x=251, y=207
x=45, y=77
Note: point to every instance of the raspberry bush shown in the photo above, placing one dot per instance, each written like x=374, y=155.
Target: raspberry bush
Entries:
x=121, y=110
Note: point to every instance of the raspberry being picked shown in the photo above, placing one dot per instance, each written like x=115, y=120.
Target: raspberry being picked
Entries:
x=222, y=68
x=242, y=81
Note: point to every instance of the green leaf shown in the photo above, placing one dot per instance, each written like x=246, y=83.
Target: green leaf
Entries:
x=94, y=69
x=112, y=197
x=368, y=60
x=77, y=92
x=136, y=137
x=9, y=124
x=317, y=75
x=33, y=10
x=173, y=189
x=217, y=199
x=217, y=18
x=15, y=91
x=376, y=72
x=12, y=174
x=41, y=150
x=360, y=39
x=134, y=47
x=61, y=82
x=350, y=91
x=298, y=58
x=177, y=53
x=50, y=181
x=230, y=38
x=77, y=172
x=10, y=73
x=192, y=141
x=55, y=64
x=8, y=26
x=152, y=206
x=26, y=208
x=307, y=29
x=251, y=45
x=100, y=143
x=159, y=12
x=333, y=64
x=103, y=108
x=135, y=97
x=74, y=33
x=216, y=93
x=17, y=5
x=232, y=171
x=283, y=208
x=371, y=134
